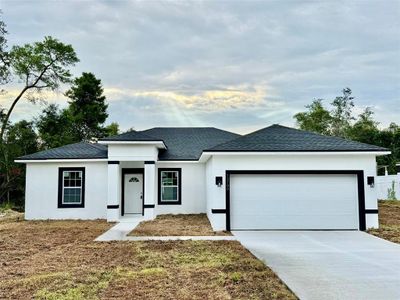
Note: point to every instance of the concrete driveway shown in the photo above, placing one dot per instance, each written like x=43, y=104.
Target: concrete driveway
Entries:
x=329, y=264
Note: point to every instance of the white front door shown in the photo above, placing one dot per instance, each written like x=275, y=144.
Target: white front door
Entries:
x=133, y=193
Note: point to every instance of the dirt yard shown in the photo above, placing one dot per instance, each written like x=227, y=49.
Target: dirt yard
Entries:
x=175, y=225
x=389, y=221
x=59, y=260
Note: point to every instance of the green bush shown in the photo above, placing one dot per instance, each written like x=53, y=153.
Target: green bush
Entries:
x=392, y=192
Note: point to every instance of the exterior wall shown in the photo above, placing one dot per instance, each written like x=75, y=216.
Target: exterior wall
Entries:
x=113, y=192
x=132, y=152
x=150, y=183
x=41, y=200
x=383, y=183
x=193, y=189
x=218, y=164
x=199, y=192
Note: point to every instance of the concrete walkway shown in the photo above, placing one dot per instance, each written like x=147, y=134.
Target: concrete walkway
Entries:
x=329, y=264
x=120, y=232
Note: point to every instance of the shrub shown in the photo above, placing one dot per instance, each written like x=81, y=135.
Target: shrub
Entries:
x=392, y=192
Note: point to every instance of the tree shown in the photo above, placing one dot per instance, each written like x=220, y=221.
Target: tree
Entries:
x=316, y=119
x=365, y=129
x=342, y=113
x=389, y=138
x=112, y=129
x=41, y=66
x=54, y=127
x=87, y=107
x=339, y=121
x=20, y=139
x=4, y=56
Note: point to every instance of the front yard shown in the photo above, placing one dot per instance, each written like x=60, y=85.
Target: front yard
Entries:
x=176, y=225
x=389, y=221
x=59, y=260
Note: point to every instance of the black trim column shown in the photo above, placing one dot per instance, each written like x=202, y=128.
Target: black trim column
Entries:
x=113, y=199
x=218, y=211
x=113, y=206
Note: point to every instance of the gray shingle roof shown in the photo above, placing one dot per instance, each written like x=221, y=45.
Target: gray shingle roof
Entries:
x=72, y=151
x=280, y=138
x=187, y=143
x=134, y=136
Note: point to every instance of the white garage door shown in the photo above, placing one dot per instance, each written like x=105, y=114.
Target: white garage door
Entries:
x=293, y=202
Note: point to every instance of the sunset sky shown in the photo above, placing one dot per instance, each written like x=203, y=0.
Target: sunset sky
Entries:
x=231, y=64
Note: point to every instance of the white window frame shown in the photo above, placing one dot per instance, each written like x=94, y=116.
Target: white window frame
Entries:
x=178, y=186
x=72, y=187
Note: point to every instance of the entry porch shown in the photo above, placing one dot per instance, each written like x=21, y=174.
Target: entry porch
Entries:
x=131, y=190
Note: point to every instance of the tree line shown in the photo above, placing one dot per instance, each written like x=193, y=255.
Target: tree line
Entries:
x=36, y=68
x=45, y=66
x=341, y=121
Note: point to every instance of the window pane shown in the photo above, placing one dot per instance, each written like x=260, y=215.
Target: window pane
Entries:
x=174, y=178
x=169, y=194
x=169, y=178
x=72, y=195
x=72, y=179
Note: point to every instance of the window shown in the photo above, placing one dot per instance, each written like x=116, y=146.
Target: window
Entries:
x=169, y=186
x=71, y=187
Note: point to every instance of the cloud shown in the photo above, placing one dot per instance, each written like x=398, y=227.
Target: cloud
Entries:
x=25, y=109
x=206, y=101
x=232, y=64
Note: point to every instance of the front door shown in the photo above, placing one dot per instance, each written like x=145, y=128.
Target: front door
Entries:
x=133, y=193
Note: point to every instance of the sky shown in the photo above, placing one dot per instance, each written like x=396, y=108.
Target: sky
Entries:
x=236, y=65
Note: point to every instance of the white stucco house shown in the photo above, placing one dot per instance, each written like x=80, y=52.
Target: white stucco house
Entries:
x=273, y=178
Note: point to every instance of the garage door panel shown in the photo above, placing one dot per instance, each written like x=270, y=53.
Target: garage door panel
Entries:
x=292, y=223
x=293, y=201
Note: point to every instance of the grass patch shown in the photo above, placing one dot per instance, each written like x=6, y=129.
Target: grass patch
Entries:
x=389, y=221
x=60, y=260
x=7, y=215
x=177, y=225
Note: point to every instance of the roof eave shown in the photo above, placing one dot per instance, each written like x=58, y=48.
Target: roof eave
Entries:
x=207, y=153
x=59, y=160
x=159, y=144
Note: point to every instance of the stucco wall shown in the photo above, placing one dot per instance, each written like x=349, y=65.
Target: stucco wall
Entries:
x=217, y=165
x=199, y=192
x=132, y=152
x=193, y=189
x=41, y=199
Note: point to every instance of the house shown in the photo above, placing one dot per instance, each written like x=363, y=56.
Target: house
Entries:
x=273, y=178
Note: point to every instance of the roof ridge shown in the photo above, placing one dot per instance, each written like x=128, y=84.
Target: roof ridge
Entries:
x=325, y=141
x=146, y=135
x=131, y=132
x=241, y=136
